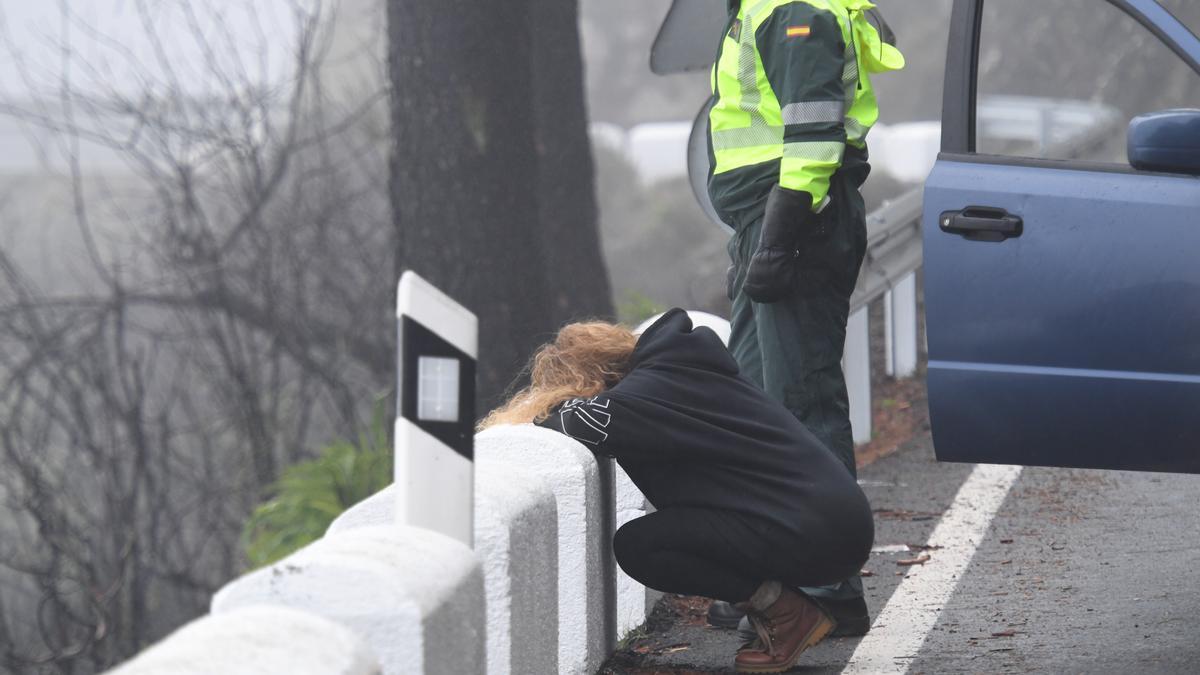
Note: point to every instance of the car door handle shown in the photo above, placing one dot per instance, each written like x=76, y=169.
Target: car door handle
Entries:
x=982, y=223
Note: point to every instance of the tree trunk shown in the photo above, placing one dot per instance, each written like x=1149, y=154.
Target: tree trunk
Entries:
x=566, y=181
x=491, y=172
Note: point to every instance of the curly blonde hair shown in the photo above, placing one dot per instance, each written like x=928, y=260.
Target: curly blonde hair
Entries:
x=584, y=359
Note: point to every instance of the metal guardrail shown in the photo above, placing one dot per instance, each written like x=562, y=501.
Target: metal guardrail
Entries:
x=888, y=271
x=893, y=247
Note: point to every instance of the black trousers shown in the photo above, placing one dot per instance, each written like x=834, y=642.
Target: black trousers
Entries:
x=793, y=348
x=720, y=554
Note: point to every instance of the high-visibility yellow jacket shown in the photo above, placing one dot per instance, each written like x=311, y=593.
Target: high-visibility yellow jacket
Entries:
x=792, y=89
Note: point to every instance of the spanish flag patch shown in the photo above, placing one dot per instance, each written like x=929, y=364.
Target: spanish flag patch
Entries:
x=799, y=31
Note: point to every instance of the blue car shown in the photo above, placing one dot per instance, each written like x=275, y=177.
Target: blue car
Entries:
x=1062, y=237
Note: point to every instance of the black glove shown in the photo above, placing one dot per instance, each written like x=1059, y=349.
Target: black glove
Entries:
x=787, y=225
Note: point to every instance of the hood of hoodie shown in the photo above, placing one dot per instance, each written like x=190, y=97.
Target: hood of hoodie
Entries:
x=674, y=340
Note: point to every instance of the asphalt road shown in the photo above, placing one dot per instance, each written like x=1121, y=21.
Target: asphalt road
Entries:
x=1077, y=572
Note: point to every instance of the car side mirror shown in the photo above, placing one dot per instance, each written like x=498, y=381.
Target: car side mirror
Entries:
x=1167, y=141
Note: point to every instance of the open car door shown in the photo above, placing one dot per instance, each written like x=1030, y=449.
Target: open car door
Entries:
x=689, y=35
x=1062, y=242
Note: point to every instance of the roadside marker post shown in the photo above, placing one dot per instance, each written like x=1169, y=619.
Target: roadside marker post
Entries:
x=438, y=347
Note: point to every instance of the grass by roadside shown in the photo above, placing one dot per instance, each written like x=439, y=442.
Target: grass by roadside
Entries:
x=900, y=411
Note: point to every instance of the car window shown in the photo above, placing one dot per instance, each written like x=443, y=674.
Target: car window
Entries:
x=1187, y=11
x=1061, y=80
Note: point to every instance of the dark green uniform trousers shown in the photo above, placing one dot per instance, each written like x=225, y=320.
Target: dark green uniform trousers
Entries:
x=793, y=348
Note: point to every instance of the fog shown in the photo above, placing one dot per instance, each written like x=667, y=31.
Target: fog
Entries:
x=193, y=198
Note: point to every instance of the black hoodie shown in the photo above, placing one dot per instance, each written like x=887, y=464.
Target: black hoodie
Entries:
x=691, y=431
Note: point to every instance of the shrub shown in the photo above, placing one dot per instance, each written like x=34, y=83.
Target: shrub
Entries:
x=309, y=495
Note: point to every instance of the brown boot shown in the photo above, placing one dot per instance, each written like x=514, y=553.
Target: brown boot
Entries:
x=787, y=623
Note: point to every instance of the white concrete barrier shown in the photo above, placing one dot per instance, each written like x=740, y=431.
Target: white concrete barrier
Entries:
x=540, y=593
x=907, y=151
x=516, y=535
x=415, y=596
x=516, y=539
x=658, y=150
x=586, y=578
x=719, y=325
x=256, y=640
x=378, y=509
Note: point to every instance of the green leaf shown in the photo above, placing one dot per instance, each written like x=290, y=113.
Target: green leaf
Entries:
x=310, y=495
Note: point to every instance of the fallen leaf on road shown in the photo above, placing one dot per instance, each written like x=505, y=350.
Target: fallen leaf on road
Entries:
x=919, y=560
x=866, y=573
x=905, y=514
x=691, y=610
x=675, y=648
x=924, y=547
x=1005, y=633
x=1006, y=541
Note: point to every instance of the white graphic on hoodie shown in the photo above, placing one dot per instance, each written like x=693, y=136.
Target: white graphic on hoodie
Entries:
x=585, y=420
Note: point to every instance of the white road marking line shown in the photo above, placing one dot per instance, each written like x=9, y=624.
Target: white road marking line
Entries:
x=901, y=628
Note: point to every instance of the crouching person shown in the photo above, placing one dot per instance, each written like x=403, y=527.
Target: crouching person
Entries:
x=750, y=505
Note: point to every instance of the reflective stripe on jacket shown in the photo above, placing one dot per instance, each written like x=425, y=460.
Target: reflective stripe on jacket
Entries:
x=792, y=89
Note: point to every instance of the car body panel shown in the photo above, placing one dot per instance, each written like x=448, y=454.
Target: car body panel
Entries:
x=1076, y=343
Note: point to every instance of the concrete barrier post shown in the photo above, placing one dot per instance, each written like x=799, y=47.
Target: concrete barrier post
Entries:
x=256, y=640
x=516, y=536
x=516, y=539
x=585, y=631
x=414, y=595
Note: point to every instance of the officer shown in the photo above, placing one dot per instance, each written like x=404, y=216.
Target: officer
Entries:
x=793, y=103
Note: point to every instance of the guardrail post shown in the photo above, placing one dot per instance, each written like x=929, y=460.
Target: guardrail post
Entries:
x=904, y=326
x=856, y=362
x=889, y=342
